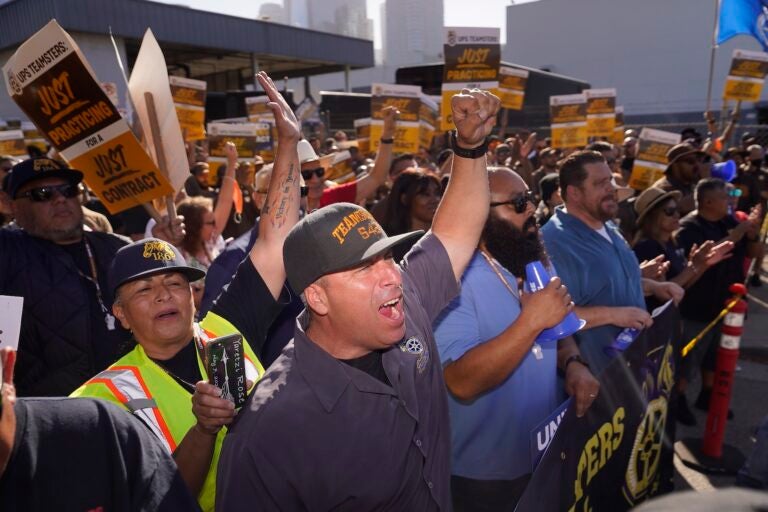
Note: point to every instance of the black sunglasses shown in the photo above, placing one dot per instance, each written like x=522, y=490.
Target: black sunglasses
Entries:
x=307, y=173
x=670, y=211
x=46, y=193
x=520, y=202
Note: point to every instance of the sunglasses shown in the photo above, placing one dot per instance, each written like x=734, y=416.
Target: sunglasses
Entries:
x=670, y=211
x=307, y=173
x=520, y=202
x=43, y=194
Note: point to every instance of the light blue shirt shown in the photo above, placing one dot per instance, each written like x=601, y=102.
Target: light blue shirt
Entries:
x=490, y=436
x=597, y=273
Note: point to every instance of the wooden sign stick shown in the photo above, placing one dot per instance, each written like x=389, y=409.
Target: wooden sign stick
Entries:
x=154, y=126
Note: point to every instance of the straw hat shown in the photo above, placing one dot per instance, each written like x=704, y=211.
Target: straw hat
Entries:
x=650, y=199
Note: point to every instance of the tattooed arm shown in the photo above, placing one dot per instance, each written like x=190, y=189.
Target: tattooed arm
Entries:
x=281, y=208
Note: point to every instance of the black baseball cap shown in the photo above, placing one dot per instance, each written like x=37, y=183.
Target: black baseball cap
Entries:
x=145, y=258
x=34, y=169
x=334, y=238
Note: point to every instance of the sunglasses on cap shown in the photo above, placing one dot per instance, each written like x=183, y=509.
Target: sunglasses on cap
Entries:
x=46, y=193
x=307, y=173
x=519, y=202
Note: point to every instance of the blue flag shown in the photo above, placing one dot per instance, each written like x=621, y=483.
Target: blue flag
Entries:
x=748, y=17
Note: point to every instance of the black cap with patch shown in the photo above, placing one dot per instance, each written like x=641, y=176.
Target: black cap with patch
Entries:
x=145, y=258
x=334, y=238
x=37, y=169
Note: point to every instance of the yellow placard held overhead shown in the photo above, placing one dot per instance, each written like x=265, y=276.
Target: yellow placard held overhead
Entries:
x=189, y=99
x=407, y=99
x=363, y=135
x=50, y=80
x=651, y=160
x=12, y=143
x=472, y=57
x=747, y=75
x=601, y=112
x=512, y=83
x=429, y=117
x=618, y=130
x=568, y=117
x=250, y=139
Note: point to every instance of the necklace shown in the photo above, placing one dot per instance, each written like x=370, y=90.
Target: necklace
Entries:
x=94, y=278
x=536, y=349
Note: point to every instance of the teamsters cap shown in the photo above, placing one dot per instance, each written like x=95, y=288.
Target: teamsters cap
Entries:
x=37, y=169
x=334, y=238
x=145, y=258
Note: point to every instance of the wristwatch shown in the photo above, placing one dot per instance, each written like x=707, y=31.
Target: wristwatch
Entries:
x=574, y=358
x=476, y=152
x=390, y=140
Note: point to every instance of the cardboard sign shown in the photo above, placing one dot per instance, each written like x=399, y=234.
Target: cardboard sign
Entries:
x=189, y=99
x=51, y=81
x=568, y=115
x=150, y=75
x=10, y=320
x=618, y=129
x=363, y=134
x=601, y=112
x=512, y=82
x=472, y=57
x=407, y=99
x=257, y=109
x=651, y=160
x=12, y=143
x=747, y=75
x=306, y=110
x=250, y=139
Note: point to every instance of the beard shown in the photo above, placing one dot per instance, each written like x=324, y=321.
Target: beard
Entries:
x=512, y=247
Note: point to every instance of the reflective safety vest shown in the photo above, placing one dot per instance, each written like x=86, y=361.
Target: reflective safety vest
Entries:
x=138, y=384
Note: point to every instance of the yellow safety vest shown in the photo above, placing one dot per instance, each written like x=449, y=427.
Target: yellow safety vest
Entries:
x=138, y=384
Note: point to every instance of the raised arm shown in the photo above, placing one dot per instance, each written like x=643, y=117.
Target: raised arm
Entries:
x=281, y=208
x=368, y=184
x=227, y=191
x=461, y=215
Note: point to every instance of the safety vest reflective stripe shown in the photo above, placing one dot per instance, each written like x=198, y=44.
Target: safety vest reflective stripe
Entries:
x=126, y=383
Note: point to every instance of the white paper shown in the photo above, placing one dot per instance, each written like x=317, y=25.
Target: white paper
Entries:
x=10, y=320
x=151, y=75
x=659, y=310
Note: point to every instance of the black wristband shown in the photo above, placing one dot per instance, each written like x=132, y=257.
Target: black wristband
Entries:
x=390, y=140
x=476, y=152
x=576, y=358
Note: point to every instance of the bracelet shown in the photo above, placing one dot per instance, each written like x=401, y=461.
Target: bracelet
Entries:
x=574, y=358
x=390, y=140
x=476, y=152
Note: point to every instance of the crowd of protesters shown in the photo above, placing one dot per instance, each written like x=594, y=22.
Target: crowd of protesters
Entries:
x=392, y=360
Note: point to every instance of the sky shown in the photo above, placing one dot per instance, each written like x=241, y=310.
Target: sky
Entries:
x=483, y=13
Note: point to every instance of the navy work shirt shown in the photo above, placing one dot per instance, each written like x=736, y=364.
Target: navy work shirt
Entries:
x=319, y=434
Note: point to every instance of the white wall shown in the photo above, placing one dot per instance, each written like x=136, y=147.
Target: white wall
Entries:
x=655, y=52
x=99, y=52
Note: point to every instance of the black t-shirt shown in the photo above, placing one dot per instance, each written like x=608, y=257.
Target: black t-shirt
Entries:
x=706, y=297
x=649, y=249
x=82, y=454
x=370, y=364
x=105, y=343
x=247, y=304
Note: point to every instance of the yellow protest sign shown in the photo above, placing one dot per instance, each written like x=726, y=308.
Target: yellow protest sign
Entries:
x=618, y=130
x=568, y=117
x=747, y=75
x=406, y=99
x=51, y=81
x=363, y=135
x=257, y=109
x=472, y=57
x=189, y=99
x=601, y=112
x=512, y=82
x=33, y=137
x=651, y=160
x=12, y=143
x=250, y=139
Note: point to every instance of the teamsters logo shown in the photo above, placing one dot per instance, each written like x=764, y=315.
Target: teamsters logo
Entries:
x=414, y=345
x=13, y=83
x=158, y=251
x=451, y=38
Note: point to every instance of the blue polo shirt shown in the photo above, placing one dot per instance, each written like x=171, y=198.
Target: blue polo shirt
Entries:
x=490, y=436
x=597, y=273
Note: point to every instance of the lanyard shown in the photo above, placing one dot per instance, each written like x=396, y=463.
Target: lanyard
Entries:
x=94, y=278
x=536, y=349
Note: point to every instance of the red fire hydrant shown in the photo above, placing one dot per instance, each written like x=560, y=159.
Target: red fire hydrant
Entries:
x=727, y=356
